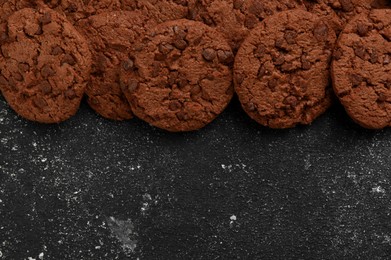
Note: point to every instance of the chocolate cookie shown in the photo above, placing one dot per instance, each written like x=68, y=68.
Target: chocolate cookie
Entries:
x=361, y=69
x=44, y=64
x=161, y=11
x=281, y=71
x=110, y=36
x=235, y=18
x=339, y=12
x=180, y=77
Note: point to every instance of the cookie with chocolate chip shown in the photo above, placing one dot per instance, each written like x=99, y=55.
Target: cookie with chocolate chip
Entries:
x=179, y=78
x=44, y=64
x=235, y=18
x=361, y=69
x=161, y=11
x=111, y=35
x=281, y=71
x=339, y=12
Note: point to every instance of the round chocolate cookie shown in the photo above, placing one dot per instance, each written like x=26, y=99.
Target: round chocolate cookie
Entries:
x=235, y=18
x=281, y=71
x=361, y=69
x=161, y=11
x=44, y=64
x=180, y=77
x=110, y=35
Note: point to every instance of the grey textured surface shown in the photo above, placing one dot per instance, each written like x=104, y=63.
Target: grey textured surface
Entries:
x=94, y=189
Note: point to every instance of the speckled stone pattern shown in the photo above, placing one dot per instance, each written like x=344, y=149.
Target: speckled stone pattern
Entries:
x=92, y=189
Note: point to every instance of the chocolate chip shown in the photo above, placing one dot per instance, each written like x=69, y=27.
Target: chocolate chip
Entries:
x=261, y=72
x=127, y=65
x=69, y=59
x=47, y=71
x=347, y=5
x=40, y=102
x=160, y=57
x=195, y=90
x=291, y=101
x=57, y=50
x=359, y=50
x=321, y=31
x=256, y=8
x=251, y=21
x=180, y=44
x=4, y=37
x=381, y=98
x=156, y=68
x=209, y=54
x=260, y=51
x=165, y=48
x=70, y=94
x=46, y=18
x=174, y=105
x=362, y=29
x=172, y=77
x=45, y=87
x=182, y=116
x=337, y=54
x=279, y=60
x=356, y=79
x=23, y=67
x=182, y=82
x=305, y=63
x=386, y=59
x=39, y=31
x=179, y=32
x=374, y=57
x=238, y=4
x=225, y=57
x=279, y=44
x=290, y=36
x=132, y=86
x=272, y=84
x=17, y=76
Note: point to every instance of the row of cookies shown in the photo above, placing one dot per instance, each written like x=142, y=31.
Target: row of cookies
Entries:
x=176, y=75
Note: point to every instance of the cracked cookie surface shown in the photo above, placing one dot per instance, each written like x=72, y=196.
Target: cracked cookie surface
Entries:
x=339, y=12
x=180, y=77
x=281, y=71
x=110, y=36
x=361, y=69
x=44, y=64
x=235, y=18
x=161, y=10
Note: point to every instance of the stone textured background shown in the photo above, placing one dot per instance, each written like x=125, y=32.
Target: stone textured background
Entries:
x=94, y=189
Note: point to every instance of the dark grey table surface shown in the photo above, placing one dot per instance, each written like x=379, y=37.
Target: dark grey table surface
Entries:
x=94, y=189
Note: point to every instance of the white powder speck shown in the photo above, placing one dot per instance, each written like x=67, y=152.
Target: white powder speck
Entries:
x=34, y=144
x=233, y=218
x=44, y=159
x=97, y=247
x=378, y=189
x=40, y=256
x=30, y=258
x=1, y=254
x=307, y=162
